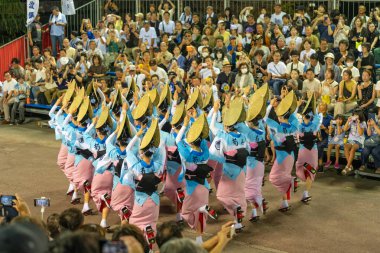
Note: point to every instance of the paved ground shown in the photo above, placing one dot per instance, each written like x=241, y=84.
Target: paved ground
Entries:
x=343, y=216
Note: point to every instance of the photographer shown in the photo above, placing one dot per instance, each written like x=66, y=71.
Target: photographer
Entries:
x=355, y=125
x=372, y=145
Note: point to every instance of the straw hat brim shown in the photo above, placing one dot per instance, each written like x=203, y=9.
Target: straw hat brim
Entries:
x=144, y=107
x=179, y=113
x=152, y=136
x=84, y=109
x=198, y=129
x=286, y=104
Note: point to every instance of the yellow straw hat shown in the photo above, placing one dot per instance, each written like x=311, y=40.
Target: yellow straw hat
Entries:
x=104, y=118
x=256, y=107
x=310, y=105
x=235, y=113
x=287, y=105
x=85, y=108
x=165, y=96
x=263, y=91
x=199, y=129
x=69, y=92
x=195, y=98
x=154, y=97
x=152, y=136
x=124, y=128
x=208, y=100
x=179, y=114
x=144, y=108
x=76, y=103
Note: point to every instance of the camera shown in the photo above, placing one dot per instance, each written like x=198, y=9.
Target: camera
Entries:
x=333, y=122
x=7, y=200
x=42, y=202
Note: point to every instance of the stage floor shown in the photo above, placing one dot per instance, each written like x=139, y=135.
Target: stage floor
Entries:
x=343, y=216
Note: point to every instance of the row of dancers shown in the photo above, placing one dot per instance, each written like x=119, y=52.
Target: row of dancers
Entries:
x=118, y=153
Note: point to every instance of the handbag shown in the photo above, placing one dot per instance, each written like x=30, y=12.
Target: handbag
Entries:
x=372, y=141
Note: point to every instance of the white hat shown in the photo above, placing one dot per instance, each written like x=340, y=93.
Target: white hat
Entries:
x=234, y=27
x=64, y=60
x=220, y=21
x=330, y=55
x=139, y=15
x=132, y=67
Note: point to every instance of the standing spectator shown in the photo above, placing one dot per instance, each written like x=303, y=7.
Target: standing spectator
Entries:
x=324, y=134
x=276, y=17
x=35, y=33
x=341, y=32
x=210, y=14
x=148, y=35
x=110, y=7
x=164, y=7
x=276, y=73
x=361, y=15
x=23, y=90
x=167, y=25
x=57, y=23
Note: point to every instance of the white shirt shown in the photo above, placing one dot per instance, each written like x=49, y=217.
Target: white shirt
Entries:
x=207, y=72
x=147, y=36
x=354, y=70
x=277, y=69
x=300, y=66
x=277, y=18
x=40, y=75
x=161, y=74
x=9, y=85
x=138, y=81
x=314, y=85
x=167, y=27
x=101, y=46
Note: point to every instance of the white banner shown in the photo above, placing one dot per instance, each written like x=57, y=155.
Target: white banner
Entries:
x=68, y=7
x=32, y=10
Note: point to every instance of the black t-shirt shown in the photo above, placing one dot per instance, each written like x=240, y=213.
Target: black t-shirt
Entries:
x=369, y=60
x=35, y=30
x=371, y=37
x=321, y=55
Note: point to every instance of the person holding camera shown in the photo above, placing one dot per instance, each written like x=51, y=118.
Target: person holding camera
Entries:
x=372, y=145
x=356, y=125
x=57, y=23
x=336, y=135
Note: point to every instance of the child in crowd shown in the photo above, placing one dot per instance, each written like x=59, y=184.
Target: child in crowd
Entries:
x=23, y=90
x=336, y=136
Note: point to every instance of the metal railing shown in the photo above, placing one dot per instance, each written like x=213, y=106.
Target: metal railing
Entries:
x=90, y=10
x=350, y=7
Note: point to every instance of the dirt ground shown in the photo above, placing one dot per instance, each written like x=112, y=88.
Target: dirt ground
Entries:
x=343, y=216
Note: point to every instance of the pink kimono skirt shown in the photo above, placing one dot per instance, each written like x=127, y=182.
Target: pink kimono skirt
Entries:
x=69, y=167
x=62, y=157
x=191, y=205
x=253, y=183
x=172, y=184
x=306, y=156
x=145, y=215
x=231, y=193
x=101, y=184
x=122, y=196
x=280, y=175
x=84, y=172
x=216, y=174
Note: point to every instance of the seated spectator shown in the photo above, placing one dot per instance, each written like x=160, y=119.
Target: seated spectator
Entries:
x=313, y=40
x=355, y=126
x=336, y=136
x=52, y=224
x=175, y=68
x=164, y=56
x=294, y=64
x=329, y=64
x=50, y=87
x=371, y=146
x=341, y=32
x=367, y=60
x=97, y=70
x=276, y=73
x=294, y=37
x=155, y=70
x=260, y=65
x=366, y=93
x=311, y=84
x=63, y=60
x=23, y=91
x=77, y=242
x=306, y=53
x=358, y=33
x=94, y=229
x=314, y=65
x=346, y=95
x=9, y=96
x=49, y=57
x=349, y=62
x=93, y=50
x=36, y=56
x=329, y=89
x=16, y=69
x=373, y=36
x=70, y=51
x=323, y=50
x=294, y=82
x=323, y=134
x=181, y=245
x=244, y=78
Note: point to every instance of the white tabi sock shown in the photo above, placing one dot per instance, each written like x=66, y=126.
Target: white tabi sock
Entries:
x=254, y=212
x=75, y=195
x=85, y=207
x=103, y=223
x=199, y=240
x=178, y=217
x=284, y=203
x=71, y=187
x=305, y=194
